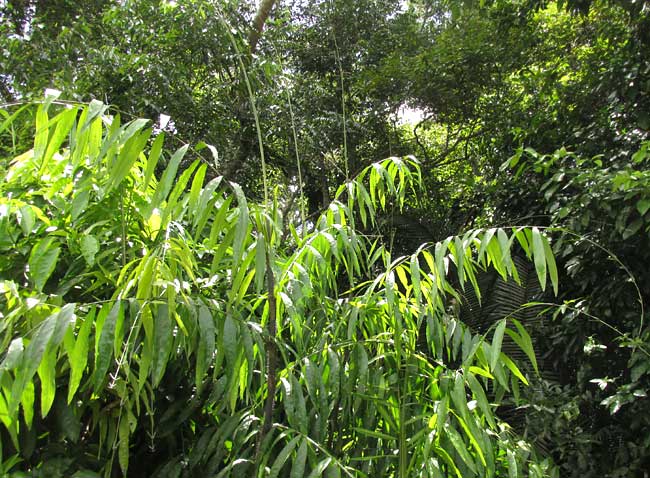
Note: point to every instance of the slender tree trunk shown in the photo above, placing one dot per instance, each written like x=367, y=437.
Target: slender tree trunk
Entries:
x=261, y=16
x=271, y=351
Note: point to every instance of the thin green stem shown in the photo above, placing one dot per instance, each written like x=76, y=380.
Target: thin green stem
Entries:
x=615, y=258
x=549, y=305
x=251, y=99
x=123, y=221
x=303, y=215
x=343, y=112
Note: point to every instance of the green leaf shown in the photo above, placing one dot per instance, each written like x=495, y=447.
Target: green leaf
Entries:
x=260, y=262
x=89, y=248
x=104, y=346
x=206, y=344
x=27, y=403
x=504, y=245
x=481, y=398
x=442, y=411
x=163, y=341
x=442, y=453
x=458, y=395
x=485, y=241
x=243, y=221
x=146, y=358
x=127, y=157
x=13, y=355
x=300, y=407
x=414, y=269
x=320, y=468
x=643, y=205
x=497, y=339
x=458, y=252
x=179, y=189
x=523, y=340
x=41, y=135
x=42, y=261
x=432, y=421
x=512, y=465
x=152, y=161
x=47, y=375
x=64, y=122
x=31, y=360
x=282, y=457
x=539, y=256
x=230, y=341
x=79, y=356
x=298, y=468
x=459, y=444
x=203, y=210
x=632, y=228
x=166, y=182
x=27, y=219
x=10, y=119
x=482, y=372
x=123, y=447
x=550, y=262
x=473, y=439
x=79, y=203
x=513, y=368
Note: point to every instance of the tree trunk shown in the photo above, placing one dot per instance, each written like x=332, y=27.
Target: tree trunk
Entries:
x=262, y=14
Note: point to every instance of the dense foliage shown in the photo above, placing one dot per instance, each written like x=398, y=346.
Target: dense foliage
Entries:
x=150, y=321
x=528, y=113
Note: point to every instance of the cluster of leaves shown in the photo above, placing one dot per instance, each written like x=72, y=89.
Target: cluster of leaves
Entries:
x=601, y=214
x=148, y=316
x=572, y=87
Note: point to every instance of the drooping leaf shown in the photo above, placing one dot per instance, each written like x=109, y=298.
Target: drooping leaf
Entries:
x=79, y=356
x=123, y=445
x=105, y=345
x=281, y=459
x=166, y=181
x=539, y=256
x=513, y=368
x=298, y=468
x=163, y=341
x=523, y=340
x=320, y=468
x=42, y=261
x=89, y=248
x=47, y=376
x=127, y=157
x=41, y=347
x=152, y=160
x=497, y=339
x=206, y=347
x=481, y=398
x=462, y=450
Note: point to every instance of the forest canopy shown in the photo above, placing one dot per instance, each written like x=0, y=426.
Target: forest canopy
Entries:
x=226, y=250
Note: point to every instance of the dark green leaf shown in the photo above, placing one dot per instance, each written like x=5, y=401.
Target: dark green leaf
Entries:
x=42, y=261
x=105, y=344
